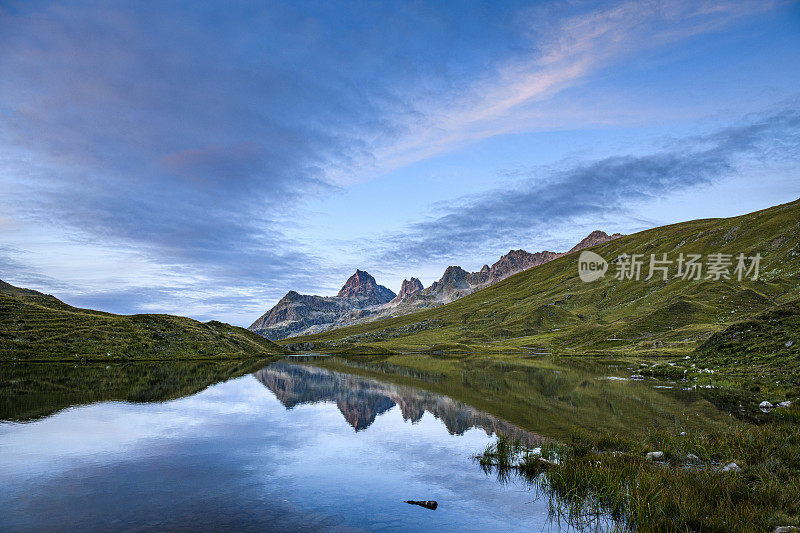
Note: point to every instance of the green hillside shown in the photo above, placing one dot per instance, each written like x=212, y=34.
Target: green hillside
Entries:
x=548, y=309
x=36, y=326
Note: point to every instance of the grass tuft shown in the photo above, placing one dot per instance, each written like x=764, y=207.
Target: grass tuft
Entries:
x=594, y=480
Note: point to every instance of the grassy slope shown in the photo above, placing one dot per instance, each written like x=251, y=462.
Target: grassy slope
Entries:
x=35, y=326
x=775, y=332
x=548, y=308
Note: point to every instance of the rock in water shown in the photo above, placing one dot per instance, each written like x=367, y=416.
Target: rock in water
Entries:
x=765, y=406
x=427, y=504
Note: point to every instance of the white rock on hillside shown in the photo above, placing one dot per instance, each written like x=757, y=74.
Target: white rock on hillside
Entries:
x=731, y=467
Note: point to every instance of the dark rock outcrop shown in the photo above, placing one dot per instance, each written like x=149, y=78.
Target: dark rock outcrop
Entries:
x=427, y=504
x=298, y=313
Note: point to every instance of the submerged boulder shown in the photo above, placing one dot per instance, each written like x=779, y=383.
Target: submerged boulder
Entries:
x=427, y=504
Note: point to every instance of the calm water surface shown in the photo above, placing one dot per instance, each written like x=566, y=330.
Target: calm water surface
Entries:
x=291, y=447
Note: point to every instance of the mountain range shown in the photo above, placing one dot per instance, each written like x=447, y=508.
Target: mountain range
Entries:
x=550, y=309
x=362, y=299
x=752, y=321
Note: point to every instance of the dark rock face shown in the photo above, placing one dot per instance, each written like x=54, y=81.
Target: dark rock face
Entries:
x=296, y=313
x=427, y=504
x=363, y=285
x=295, y=306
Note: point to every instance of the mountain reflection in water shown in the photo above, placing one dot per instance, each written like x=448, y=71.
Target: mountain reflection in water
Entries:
x=361, y=400
x=255, y=445
x=209, y=447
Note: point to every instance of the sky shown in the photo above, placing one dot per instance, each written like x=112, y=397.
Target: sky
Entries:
x=204, y=158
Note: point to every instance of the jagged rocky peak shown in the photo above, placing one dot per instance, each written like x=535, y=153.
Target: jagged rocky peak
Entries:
x=518, y=260
x=454, y=273
x=454, y=278
x=410, y=286
x=362, y=284
x=594, y=238
x=291, y=295
x=514, y=258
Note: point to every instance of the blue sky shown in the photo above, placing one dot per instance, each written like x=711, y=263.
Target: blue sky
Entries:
x=203, y=158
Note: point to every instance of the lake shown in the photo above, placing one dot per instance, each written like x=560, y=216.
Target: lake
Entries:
x=302, y=444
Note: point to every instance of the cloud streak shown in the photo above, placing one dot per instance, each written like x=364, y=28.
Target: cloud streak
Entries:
x=566, y=51
x=591, y=189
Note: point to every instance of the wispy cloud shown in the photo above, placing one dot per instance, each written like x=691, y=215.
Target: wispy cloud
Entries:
x=564, y=52
x=591, y=189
